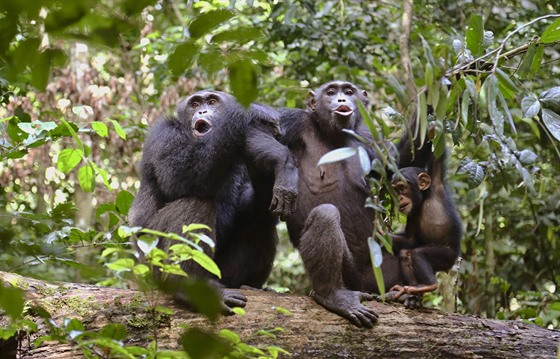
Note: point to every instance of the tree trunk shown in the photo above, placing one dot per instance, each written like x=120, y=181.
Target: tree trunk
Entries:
x=309, y=332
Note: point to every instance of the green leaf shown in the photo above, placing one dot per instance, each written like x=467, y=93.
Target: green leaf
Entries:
x=119, y=129
x=196, y=227
x=552, y=33
x=206, y=263
x=243, y=81
x=164, y=310
x=465, y=107
x=530, y=106
x=206, y=22
x=124, y=201
x=122, y=264
x=114, y=331
x=537, y=60
x=241, y=35
x=132, y=7
x=100, y=128
x=525, y=66
x=182, y=57
x=68, y=159
x=475, y=35
x=398, y=89
x=86, y=178
x=506, y=84
x=229, y=335
x=337, y=155
x=552, y=122
x=11, y=301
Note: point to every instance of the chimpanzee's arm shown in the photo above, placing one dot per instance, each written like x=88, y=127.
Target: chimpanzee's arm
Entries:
x=266, y=154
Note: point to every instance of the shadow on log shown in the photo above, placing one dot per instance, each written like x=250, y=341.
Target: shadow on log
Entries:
x=309, y=332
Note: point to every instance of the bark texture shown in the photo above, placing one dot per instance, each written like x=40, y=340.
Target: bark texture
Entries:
x=310, y=332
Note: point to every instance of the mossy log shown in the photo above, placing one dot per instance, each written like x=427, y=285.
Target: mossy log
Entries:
x=309, y=332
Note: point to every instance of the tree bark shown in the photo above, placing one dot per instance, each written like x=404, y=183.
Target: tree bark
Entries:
x=309, y=332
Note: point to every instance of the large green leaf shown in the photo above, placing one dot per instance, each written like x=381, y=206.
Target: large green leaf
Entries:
x=183, y=57
x=241, y=35
x=530, y=106
x=243, y=81
x=68, y=159
x=376, y=256
x=475, y=35
x=552, y=33
x=198, y=343
x=124, y=201
x=208, y=21
x=86, y=178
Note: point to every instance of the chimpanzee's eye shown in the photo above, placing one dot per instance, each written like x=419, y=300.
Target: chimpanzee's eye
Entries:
x=212, y=101
x=349, y=91
x=331, y=92
x=195, y=104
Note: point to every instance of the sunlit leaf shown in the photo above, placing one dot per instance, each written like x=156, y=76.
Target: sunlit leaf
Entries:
x=68, y=159
x=146, y=244
x=375, y=252
x=552, y=122
x=119, y=129
x=121, y=264
x=552, y=33
x=208, y=21
x=337, y=155
x=124, y=201
x=86, y=178
x=206, y=263
x=100, y=128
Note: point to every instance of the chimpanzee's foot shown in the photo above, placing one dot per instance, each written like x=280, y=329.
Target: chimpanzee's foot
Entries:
x=232, y=298
x=347, y=304
x=410, y=301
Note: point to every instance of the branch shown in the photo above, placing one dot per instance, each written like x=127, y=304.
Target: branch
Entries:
x=404, y=44
x=310, y=332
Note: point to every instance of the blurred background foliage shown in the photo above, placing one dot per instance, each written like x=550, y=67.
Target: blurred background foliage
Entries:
x=81, y=82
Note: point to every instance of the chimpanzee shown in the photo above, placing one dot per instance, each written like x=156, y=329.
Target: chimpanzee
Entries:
x=220, y=165
x=331, y=224
x=431, y=240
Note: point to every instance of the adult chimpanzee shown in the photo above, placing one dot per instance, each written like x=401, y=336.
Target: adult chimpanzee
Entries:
x=220, y=165
x=431, y=240
x=331, y=224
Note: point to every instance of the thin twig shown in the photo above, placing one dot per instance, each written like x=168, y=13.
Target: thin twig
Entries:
x=404, y=42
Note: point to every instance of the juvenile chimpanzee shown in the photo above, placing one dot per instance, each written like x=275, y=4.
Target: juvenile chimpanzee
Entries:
x=220, y=165
x=331, y=224
x=431, y=240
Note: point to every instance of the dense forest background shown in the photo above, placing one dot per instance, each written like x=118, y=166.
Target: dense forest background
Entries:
x=82, y=81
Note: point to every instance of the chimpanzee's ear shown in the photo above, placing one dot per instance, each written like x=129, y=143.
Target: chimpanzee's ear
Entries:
x=365, y=99
x=310, y=101
x=424, y=181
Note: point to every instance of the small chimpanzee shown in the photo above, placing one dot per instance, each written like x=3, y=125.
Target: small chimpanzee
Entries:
x=331, y=224
x=431, y=240
x=220, y=165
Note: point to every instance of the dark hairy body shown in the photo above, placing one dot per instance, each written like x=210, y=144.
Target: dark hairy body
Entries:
x=331, y=224
x=218, y=164
x=431, y=240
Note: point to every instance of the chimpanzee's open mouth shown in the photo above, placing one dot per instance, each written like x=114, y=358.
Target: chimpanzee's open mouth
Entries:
x=201, y=127
x=343, y=110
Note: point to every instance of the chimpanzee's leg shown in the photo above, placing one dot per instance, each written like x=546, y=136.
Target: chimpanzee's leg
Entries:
x=323, y=250
x=172, y=218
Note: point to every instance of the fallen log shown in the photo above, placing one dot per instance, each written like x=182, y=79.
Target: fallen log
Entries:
x=308, y=332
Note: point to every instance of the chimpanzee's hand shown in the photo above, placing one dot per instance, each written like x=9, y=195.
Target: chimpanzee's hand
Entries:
x=283, y=202
x=410, y=301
